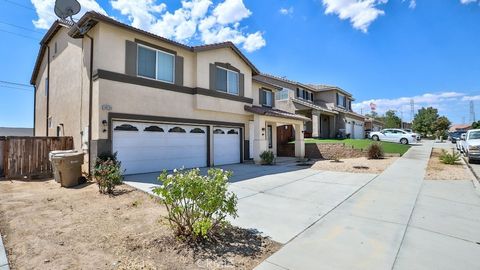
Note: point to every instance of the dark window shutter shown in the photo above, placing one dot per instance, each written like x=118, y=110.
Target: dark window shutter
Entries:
x=179, y=70
x=212, y=76
x=273, y=100
x=345, y=102
x=261, y=97
x=241, y=82
x=298, y=92
x=338, y=102
x=131, y=58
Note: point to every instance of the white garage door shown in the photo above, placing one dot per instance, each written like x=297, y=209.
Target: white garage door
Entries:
x=226, y=146
x=359, y=131
x=150, y=147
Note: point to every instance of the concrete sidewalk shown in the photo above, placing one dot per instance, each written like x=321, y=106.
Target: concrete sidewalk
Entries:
x=367, y=230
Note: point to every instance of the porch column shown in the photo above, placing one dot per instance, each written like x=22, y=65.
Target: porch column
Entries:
x=299, y=141
x=259, y=143
x=315, y=124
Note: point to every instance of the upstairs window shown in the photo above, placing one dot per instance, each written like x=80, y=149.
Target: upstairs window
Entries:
x=155, y=64
x=267, y=98
x=226, y=81
x=304, y=94
x=341, y=101
x=282, y=95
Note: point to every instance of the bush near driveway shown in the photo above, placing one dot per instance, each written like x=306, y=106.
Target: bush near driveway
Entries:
x=197, y=205
x=107, y=173
x=375, y=151
x=388, y=147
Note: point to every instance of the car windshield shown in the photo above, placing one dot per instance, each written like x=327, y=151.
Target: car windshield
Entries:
x=474, y=135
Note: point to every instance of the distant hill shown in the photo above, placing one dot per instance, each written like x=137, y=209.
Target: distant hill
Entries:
x=13, y=131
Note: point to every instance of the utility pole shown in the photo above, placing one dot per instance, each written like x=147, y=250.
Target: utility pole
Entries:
x=412, y=110
x=472, y=112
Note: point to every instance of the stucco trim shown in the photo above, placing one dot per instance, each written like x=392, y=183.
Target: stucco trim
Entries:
x=118, y=77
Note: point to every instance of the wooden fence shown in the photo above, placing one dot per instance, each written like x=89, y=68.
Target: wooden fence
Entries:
x=27, y=157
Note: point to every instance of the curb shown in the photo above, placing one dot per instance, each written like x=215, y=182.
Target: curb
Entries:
x=3, y=256
x=476, y=181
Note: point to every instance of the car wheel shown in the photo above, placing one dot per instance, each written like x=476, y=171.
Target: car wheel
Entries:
x=375, y=138
x=404, y=141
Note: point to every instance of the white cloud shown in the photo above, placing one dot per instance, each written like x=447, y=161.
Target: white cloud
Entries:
x=46, y=16
x=194, y=20
x=465, y=2
x=361, y=13
x=441, y=100
x=471, y=98
x=231, y=11
x=412, y=4
x=286, y=11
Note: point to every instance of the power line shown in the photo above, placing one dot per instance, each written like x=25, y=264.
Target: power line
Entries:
x=17, y=84
x=17, y=88
x=18, y=4
x=21, y=27
x=20, y=35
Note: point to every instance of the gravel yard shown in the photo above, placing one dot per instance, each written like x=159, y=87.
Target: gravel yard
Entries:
x=48, y=227
x=436, y=170
x=355, y=165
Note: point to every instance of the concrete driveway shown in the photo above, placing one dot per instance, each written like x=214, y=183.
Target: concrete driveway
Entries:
x=279, y=201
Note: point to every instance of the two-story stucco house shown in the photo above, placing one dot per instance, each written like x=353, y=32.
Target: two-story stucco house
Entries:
x=328, y=107
x=159, y=104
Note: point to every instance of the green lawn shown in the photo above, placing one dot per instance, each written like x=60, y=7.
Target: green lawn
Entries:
x=363, y=144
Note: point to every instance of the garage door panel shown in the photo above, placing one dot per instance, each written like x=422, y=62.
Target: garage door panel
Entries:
x=226, y=147
x=149, y=151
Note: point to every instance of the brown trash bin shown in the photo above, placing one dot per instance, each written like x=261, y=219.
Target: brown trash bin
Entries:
x=69, y=167
x=56, y=176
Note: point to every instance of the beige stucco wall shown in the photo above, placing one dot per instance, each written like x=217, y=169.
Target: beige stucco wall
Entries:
x=110, y=51
x=41, y=100
x=140, y=100
x=225, y=55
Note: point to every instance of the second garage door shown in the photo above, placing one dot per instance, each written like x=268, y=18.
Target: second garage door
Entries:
x=226, y=146
x=149, y=147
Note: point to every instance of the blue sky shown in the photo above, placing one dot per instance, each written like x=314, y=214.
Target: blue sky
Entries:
x=386, y=52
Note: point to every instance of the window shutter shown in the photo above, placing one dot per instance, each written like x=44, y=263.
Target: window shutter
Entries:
x=241, y=82
x=298, y=92
x=261, y=97
x=131, y=58
x=179, y=70
x=273, y=100
x=345, y=102
x=212, y=77
x=338, y=101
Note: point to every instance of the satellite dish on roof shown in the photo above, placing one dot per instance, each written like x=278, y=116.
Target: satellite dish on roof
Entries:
x=66, y=8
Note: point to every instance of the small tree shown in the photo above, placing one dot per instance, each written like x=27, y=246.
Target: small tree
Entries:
x=375, y=151
x=476, y=125
x=197, y=205
x=391, y=120
x=424, y=121
x=441, y=125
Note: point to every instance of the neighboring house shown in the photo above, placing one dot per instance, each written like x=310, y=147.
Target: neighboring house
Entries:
x=13, y=131
x=328, y=107
x=460, y=127
x=159, y=104
x=372, y=124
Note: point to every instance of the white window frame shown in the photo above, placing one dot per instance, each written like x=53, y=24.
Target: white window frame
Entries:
x=268, y=93
x=156, y=64
x=228, y=83
x=340, y=104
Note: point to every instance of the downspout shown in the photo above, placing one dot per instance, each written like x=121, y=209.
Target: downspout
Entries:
x=90, y=104
x=34, y=107
x=48, y=90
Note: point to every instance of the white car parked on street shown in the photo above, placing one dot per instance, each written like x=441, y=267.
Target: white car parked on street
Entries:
x=394, y=135
x=472, y=145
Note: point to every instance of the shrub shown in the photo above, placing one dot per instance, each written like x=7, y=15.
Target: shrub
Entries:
x=108, y=175
x=267, y=157
x=375, y=151
x=197, y=205
x=449, y=159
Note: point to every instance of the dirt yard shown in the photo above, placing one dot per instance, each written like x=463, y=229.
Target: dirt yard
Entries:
x=436, y=170
x=355, y=165
x=48, y=227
